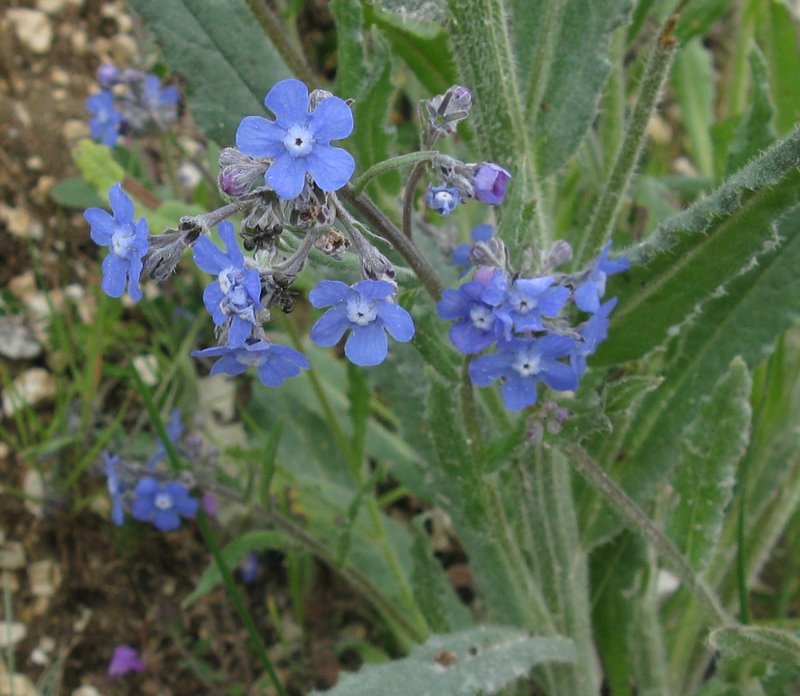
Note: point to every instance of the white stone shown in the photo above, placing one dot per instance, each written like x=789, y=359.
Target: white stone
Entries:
x=33, y=486
x=87, y=690
x=147, y=367
x=33, y=28
x=60, y=77
x=18, y=684
x=17, y=341
x=33, y=387
x=12, y=633
x=74, y=129
x=12, y=556
x=44, y=577
x=51, y=6
x=20, y=223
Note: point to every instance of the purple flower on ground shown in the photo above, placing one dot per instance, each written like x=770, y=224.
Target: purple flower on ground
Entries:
x=115, y=488
x=490, y=183
x=125, y=659
x=236, y=294
x=108, y=74
x=522, y=363
x=105, y=125
x=442, y=199
x=209, y=504
x=274, y=364
x=298, y=141
x=127, y=240
x=460, y=255
x=528, y=300
x=593, y=287
x=162, y=504
x=250, y=568
x=367, y=311
x=473, y=307
x=593, y=332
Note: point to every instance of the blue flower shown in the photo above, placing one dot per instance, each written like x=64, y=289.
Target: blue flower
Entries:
x=593, y=332
x=107, y=119
x=127, y=240
x=115, y=488
x=590, y=290
x=162, y=504
x=125, y=659
x=236, y=294
x=473, y=307
x=490, y=183
x=174, y=431
x=442, y=199
x=298, y=141
x=522, y=363
x=365, y=309
x=528, y=300
x=250, y=568
x=460, y=255
x=274, y=363
x=161, y=103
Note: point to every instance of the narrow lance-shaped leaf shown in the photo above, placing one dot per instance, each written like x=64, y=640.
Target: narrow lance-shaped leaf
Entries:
x=763, y=643
x=220, y=47
x=710, y=449
x=468, y=663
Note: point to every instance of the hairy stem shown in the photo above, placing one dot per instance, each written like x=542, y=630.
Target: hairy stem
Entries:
x=390, y=165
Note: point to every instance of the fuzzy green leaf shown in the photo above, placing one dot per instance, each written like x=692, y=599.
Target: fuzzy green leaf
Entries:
x=711, y=446
x=468, y=663
x=762, y=643
x=221, y=49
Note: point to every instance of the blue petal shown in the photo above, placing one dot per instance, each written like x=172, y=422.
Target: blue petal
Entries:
x=453, y=305
x=330, y=167
x=209, y=257
x=552, y=301
x=227, y=365
x=482, y=233
x=287, y=176
x=142, y=509
x=332, y=119
x=330, y=328
x=519, y=392
x=277, y=370
x=102, y=226
x=166, y=520
x=252, y=284
x=258, y=137
x=232, y=250
x=288, y=100
x=239, y=331
x=366, y=345
x=558, y=376
x=115, y=271
x=169, y=95
x=374, y=289
x=397, y=320
x=533, y=287
x=292, y=355
x=468, y=339
x=140, y=240
x=488, y=368
x=212, y=296
x=328, y=292
x=134, y=272
x=587, y=297
x=120, y=204
x=213, y=352
x=554, y=346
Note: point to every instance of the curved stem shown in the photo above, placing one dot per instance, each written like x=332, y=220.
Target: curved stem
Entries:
x=390, y=165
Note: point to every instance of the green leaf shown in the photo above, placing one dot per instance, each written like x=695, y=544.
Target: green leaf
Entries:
x=762, y=643
x=445, y=424
x=698, y=16
x=221, y=49
x=710, y=448
x=96, y=164
x=693, y=80
x=472, y=662
x=561, y=50
x=76, y=193
x=777, y=37
x=699, y=253
x=233, y=553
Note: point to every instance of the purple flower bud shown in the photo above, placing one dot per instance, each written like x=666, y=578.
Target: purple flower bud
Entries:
x=442, y=199
x=125, y=659
x=107, y=75
x=490, y=183
x=559, y=254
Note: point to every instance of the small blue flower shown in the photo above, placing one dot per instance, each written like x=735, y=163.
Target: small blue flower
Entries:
x=522, y=363
x=590, y=290
x=107, y=119
x=250, y=568
x=162, y=504
x=528, y=300
x=115, y=488
x=442, y=199
x=367, y=310
x=160, y=102
x=460, y=255
x=298, y=141
x=593, y=332
x=274, y=364
x=473, y=307
x=174, y=431
x=236, y=294
x=127, y=240
x=490, y=183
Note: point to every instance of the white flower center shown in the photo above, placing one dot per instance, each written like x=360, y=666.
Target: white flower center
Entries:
x=298, y=141
x=526, y=364
x=121, y=242
x=163, y=501
x=481, y=317
x=523, y=305
x=443, y=199
x=361, y=311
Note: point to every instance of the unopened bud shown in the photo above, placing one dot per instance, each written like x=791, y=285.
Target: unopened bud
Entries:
x=560, y=253
x=445, y=111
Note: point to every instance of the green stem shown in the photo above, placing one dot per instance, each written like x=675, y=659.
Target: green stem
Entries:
x=390, y=165
x=275, y=30
x=741, y=550
x=640, y=523
x=236, y=598
x=404, y=246
x=411, y=187
x=607, y=209
x=8, y=615
x=169, y=164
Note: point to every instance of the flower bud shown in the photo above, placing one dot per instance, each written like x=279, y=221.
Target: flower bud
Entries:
x=445, y=111
x=490, y=183
x=560, y=253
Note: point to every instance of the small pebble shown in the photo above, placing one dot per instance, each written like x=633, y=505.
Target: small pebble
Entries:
x=12, y=556
x=32, y=388
x=33, y=28
x=12, y=633
x=17, y=341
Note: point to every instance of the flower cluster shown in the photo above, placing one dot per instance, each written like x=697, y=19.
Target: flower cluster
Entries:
x=526, y=320
x=130, y=102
